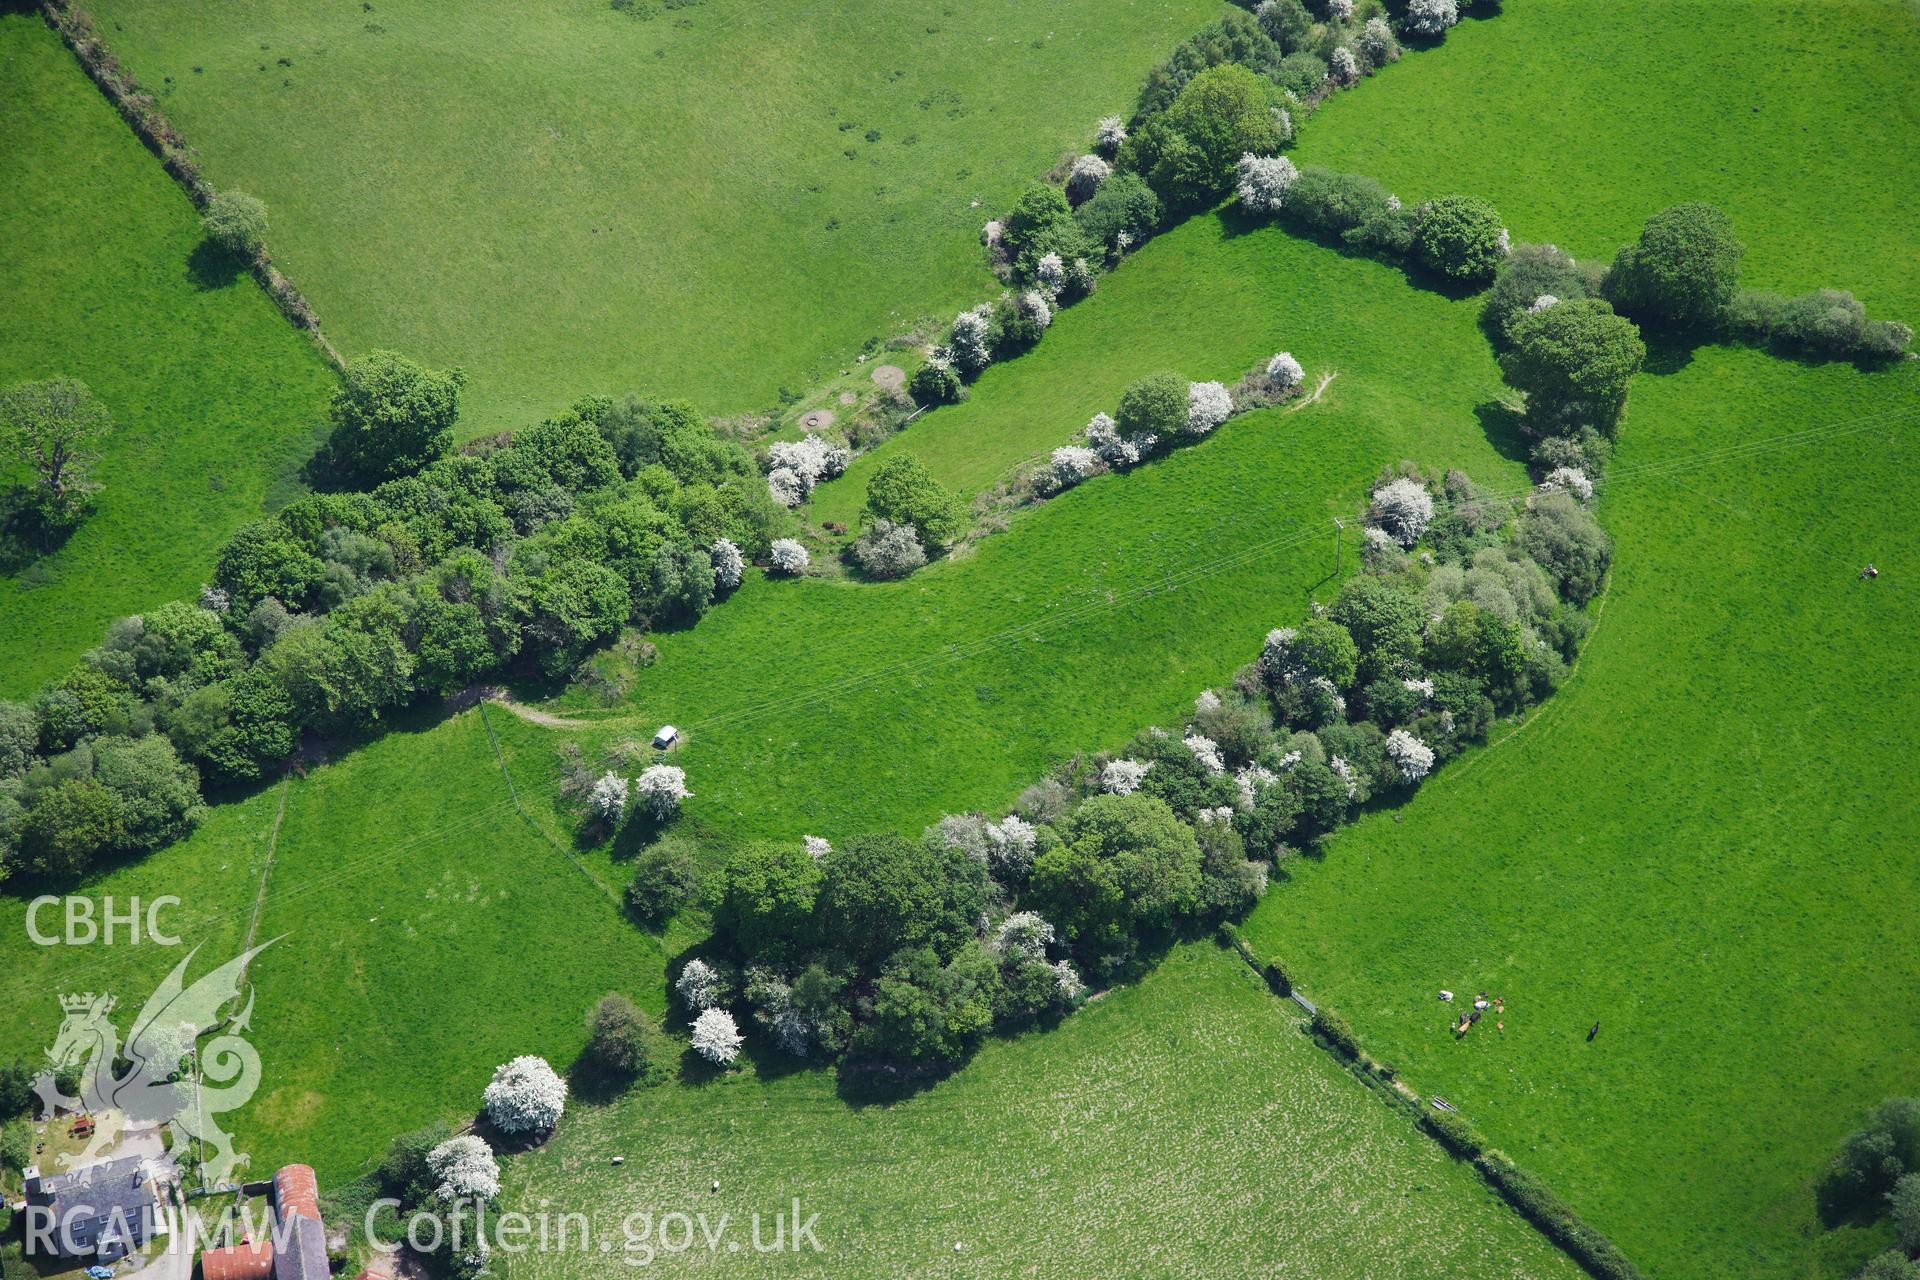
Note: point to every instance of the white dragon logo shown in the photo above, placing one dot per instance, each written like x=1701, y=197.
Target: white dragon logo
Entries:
x=134, y=1085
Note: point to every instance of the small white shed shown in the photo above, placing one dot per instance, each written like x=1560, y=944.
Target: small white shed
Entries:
x=667, y=736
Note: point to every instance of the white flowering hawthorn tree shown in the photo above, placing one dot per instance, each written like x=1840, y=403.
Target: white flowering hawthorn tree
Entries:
x=1050, y=271
x=1085, y=177
x=1343, y=67
x=966, y=832
x=970, y=341
x=1284, y=374
x=608, y=799
x=463, y=1168
x=1206, y=700
x=525, y=1096
x=1432, y=17
x=1024, y=933
x=1123, y=777
x=812, y=458
x=1422, y=686
x=1571, y=479
x=1103, y=436
x=1277, y=656
x=1345, y=773
x=716, y=1037
x=1208, y=405
x=787, y=487
x=1339, y=10
x=729, y=566
x=214, y=599
x=1072, y=464
x=1110, y=134
x=1541, y=303
x=1414, y=757
x=1033, y=305
x=789, y=557
x=662, y=787
x=1403, y=508
x=1262, y=182
x=1010, y=847
x=817, y=846
x=1376, y=42
x=1206, y=751
x=1067, y=984
x=1254, y=779
x=1379, y=545
x=701, y=985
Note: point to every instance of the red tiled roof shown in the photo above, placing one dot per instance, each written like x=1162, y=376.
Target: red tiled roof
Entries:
x=297, y=1192
x=253, y=1261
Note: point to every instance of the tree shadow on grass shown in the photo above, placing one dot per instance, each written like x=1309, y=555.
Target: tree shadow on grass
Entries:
x=211, y=267
x=1669, y=353
x=1506, y=430
x=1236, y=222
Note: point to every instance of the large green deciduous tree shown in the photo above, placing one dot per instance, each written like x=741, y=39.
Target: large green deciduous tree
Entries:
x=391, y=417
x=904, y=491
x=1576, y=361
x=1682, y=271
x=54, y=428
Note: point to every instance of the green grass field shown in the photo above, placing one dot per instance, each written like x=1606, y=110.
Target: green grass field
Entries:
x=1585, y=188
x=215, y=396
x=1184, y=1127
x=1206, y=300
x=1093, y=633
x=417, y=917
x=565, y=198
x=832, y=706
x=1796, y=118
x=1703, y=842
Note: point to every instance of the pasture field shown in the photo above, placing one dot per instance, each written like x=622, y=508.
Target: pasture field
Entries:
x=1704, y=843
x=714, y=202
x=1797, y=118
x=1207, y=300
x=1585, y=188
x=1183, y=1127
x=424, y=934
x=825, y=706
x=833, y=706
x=216, y=398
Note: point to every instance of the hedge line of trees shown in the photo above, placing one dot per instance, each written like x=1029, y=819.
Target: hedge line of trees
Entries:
x=911, y=950
x=1528, y=1194
x=519, y=555
x=1237, y=88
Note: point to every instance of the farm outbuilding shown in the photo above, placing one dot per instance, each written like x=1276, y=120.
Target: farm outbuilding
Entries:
x=303, y=1237
x=252, y=1260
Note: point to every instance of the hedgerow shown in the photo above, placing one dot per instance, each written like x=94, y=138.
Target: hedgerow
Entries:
x=345, y=607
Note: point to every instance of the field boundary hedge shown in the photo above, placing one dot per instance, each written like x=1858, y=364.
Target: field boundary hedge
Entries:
x=1526, y=1193
x=151, y=125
